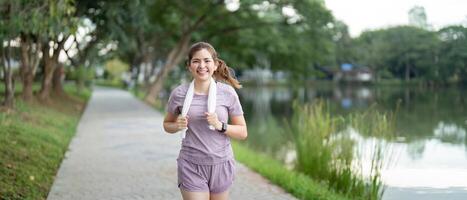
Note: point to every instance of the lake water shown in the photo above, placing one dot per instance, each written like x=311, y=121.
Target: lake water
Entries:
x=428, y=156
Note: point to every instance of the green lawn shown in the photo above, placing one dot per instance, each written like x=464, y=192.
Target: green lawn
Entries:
x=298, y=184
x=33, y=140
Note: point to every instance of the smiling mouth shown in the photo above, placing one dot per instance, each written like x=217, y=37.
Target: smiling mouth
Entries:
x=202, y=71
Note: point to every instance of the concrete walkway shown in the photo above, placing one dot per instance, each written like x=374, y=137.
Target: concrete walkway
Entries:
x=120, y=151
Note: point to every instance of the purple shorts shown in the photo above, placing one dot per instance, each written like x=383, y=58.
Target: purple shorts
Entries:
x=205, y=178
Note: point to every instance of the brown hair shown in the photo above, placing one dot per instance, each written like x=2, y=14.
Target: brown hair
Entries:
x=223, y=72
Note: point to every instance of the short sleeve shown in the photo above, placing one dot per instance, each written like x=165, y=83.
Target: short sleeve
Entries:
x=235, y=108
x=175, y=102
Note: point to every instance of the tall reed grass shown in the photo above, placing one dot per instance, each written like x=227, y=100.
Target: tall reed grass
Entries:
x=327, y=150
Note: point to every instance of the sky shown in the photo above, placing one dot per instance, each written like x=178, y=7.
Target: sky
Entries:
x=362, y=15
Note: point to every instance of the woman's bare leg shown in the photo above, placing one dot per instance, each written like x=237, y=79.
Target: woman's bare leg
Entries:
x=194, y=195
x=220, y=196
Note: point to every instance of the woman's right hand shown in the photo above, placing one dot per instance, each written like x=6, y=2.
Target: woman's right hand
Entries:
x=181, y=122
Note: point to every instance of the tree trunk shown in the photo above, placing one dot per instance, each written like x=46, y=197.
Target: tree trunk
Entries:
x=44, y=94
x=49, y=67
x=148, y=67
x=9, y=87
x=407, y=72
x=174, y=57
x=50, y=63
x=27, y=93
x=135, y=76
x=25, y=68
x=151, y=73
x=29, y=62
x=57, y=80
x=79, y=79
x=8, y=76
x=147, y=73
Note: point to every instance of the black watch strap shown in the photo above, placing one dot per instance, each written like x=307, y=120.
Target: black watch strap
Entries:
x=224, y=127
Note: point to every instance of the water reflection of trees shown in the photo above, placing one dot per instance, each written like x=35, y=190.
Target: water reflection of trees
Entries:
x=265, y=124
x=450, y=133
x=415, y=149
x=422, y=112
x=260, y=100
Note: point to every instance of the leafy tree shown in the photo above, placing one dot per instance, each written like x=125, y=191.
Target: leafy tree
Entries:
x=295, y=41
x=8, y=31
x=116, y=68
x=344, y=49
x=31, y=17
x=257, y=31
x=178, y=22
x=405, y=51
x=453, y=53
x=60, y=25
x=371, y=50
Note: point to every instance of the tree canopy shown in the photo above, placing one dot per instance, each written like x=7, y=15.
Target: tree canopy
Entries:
x=153, y=36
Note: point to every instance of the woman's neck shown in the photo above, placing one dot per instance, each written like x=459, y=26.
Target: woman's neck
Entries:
x=202, y=87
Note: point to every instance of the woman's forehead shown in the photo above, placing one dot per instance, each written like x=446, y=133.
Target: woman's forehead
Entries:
x=202, y=54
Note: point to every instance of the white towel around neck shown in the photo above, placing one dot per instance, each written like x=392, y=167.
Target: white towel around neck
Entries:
x=212, y=98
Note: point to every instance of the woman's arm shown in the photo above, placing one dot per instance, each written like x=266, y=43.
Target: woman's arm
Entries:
x=237, y=128
x=174, y=123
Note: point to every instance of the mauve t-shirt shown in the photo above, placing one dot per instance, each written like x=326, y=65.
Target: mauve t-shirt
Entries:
x=202, y=145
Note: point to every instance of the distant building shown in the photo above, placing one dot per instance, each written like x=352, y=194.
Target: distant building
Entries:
x=362, y=74
x=346, y=67
x=348, y=72
x=262, y=76
x=418, y=18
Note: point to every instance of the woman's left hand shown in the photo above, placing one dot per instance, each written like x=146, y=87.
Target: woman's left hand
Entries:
x=213, y=121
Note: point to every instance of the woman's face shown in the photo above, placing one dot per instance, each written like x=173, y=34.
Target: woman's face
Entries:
x=202, y=65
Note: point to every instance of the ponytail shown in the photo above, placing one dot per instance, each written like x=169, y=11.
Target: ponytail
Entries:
x=224, y=74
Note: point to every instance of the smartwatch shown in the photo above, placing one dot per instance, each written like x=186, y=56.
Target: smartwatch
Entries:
x=224, y=127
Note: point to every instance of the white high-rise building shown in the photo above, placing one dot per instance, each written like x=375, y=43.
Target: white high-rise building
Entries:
x=418, y=18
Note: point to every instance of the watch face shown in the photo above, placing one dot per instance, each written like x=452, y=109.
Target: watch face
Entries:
x=224, y=127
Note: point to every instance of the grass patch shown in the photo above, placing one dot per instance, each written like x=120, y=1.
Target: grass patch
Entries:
x=33, y=140
x=18, y=88
x=296, y=183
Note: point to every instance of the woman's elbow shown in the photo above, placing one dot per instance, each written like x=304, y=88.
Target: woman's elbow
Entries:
x=244, y=135
x=168, y=130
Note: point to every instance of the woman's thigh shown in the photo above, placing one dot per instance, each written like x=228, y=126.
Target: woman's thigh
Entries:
x=194, y=195
x=219, y=196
